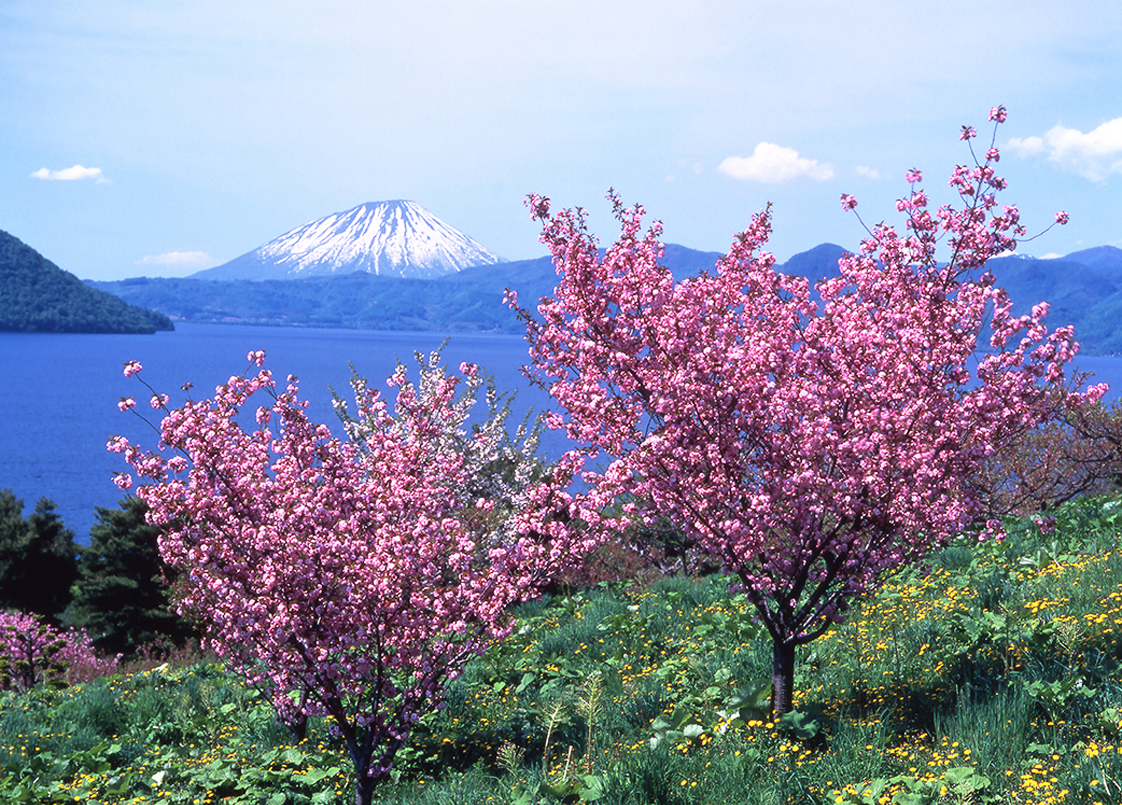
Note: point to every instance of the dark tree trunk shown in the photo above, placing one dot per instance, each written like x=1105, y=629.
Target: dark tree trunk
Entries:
x=299, y=725
x=782, y=676
x=360, y=748
x=364, y=790
x=298, y=729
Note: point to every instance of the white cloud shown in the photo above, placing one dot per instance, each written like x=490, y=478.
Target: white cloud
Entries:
x=869, y=173
x=773, y=164
x=197, y=260
x=1026, y=146
x=71, y=174
x=1094, y=155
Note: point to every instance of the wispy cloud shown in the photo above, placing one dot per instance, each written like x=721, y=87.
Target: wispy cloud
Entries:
x=1094, y=155
x=869, y=173
x=71, y=174
x=197, y=260
x=692, y=165
x=774, y=164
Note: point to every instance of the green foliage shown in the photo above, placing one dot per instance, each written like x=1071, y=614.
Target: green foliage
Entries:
x=122, y=596
x=38, y=296
x=986, y=679
x=162, y=736
x=961, y=783
x=38, y=558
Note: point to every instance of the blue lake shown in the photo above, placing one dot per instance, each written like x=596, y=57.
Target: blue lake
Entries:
x=59, y=393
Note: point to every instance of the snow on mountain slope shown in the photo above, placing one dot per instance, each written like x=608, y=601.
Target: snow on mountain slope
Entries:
x=388, y=238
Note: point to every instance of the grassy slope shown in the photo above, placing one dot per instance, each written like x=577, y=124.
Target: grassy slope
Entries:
x=991, y=678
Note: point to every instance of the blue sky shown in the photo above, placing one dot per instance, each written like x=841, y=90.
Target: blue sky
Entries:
x=141, y=138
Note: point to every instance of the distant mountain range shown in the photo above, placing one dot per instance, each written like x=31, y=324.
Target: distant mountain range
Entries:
x=38, y=296
x=469, y=300
x=1083, y=288
x=1086, y=294
x=392, y=265
x=385, y=238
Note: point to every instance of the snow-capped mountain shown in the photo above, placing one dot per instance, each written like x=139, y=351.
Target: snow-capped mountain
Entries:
x=389, y=238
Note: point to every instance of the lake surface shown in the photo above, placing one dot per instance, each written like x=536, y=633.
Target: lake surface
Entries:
x=59, y=393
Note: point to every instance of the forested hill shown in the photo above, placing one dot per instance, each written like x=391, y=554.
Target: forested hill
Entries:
x=38, y=296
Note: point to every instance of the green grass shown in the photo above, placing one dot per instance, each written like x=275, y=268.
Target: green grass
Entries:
x=993, y=676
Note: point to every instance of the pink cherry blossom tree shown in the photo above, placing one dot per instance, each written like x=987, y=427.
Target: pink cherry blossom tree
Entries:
x=351, y=578
x=810, y=446
x=34, y=652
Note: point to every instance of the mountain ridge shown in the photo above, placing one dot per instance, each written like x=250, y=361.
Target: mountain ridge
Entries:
x=38, y=296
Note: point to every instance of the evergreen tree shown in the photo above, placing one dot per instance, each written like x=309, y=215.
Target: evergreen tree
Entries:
x=121, y=596
x=11, y=517
x=38, y=558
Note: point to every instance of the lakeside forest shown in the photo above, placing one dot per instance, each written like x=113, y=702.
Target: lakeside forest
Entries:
x=820, y=551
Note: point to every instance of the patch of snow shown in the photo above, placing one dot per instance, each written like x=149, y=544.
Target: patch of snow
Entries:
x=393, y=238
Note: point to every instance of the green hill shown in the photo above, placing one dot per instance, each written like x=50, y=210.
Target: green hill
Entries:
x=38, y=296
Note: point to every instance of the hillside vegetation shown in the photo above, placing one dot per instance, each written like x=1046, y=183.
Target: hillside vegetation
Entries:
x=38, y=296
x=990, y=677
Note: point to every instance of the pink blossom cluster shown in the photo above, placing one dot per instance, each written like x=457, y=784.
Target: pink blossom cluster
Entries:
x=352, y=578
x=33, y=652
x=1045, y=523
x=810, y=446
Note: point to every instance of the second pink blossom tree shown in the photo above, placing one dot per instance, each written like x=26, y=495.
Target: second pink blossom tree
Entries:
x=810, y=446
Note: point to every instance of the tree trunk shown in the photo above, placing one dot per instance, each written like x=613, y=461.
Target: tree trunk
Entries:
x=364, y=789
x=782, y=676
x=360, y=750
x=298, y=729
